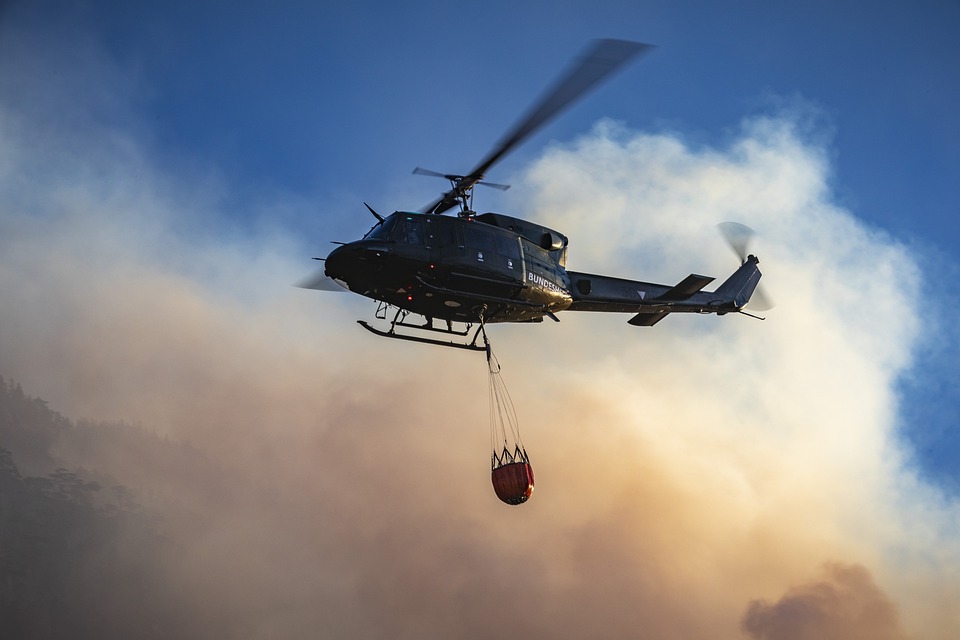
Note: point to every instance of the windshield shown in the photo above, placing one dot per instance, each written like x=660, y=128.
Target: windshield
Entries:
x=382, y=229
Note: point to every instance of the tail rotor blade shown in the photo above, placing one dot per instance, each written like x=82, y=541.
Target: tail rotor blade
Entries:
x=760, y=300
x=738, y=236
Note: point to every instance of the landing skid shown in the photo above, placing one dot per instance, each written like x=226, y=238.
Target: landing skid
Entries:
x=398, y=322
x=471, y=346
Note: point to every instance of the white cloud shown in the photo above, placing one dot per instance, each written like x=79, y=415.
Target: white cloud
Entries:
x=795, y=418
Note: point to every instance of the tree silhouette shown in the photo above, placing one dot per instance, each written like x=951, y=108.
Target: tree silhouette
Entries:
x=75, y=561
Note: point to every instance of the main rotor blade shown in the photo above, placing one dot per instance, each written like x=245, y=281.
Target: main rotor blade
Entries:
x=321, y=282
x=420, y=171
x=600, y=60
x=450, y=199
x=446, y=202
x=494, y=185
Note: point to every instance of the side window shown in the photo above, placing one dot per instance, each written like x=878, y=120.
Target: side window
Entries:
x=508, y=246
x=478, y=238
x=441, y=232
x=479, y=241
x=414, y=231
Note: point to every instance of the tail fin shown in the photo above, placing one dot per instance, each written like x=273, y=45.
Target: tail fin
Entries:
x=740, y=286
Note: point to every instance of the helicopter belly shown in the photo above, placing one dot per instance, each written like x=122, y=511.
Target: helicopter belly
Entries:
x=465, y=295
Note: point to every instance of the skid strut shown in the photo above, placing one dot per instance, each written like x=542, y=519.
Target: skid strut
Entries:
x=399, y=322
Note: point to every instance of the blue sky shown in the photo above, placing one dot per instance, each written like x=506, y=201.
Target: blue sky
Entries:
x=177, y=164
x=341, y=98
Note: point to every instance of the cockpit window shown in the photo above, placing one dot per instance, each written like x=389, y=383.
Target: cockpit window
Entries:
x=408, y=230
x=383, y=229
x=398, y=227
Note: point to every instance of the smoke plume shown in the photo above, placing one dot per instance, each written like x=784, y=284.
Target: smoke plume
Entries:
x=844, y=604
x=688, y=474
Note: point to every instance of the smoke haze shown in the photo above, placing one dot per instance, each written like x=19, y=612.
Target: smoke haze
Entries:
x=844, y=604
x=705, y=478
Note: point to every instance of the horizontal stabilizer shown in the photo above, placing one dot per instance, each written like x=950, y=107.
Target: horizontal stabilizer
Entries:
x=647, y=319
x=687, y=287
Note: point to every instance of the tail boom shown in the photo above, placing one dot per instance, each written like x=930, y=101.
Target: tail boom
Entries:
x=652, y=302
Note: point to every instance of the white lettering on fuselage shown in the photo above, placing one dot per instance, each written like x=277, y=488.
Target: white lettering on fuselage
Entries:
x=543, y=283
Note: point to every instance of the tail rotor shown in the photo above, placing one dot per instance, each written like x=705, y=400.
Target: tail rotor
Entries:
x=739, y=237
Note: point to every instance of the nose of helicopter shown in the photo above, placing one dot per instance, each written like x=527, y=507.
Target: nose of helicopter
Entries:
x=351, y=261
x=333, y=263
x=339, y=263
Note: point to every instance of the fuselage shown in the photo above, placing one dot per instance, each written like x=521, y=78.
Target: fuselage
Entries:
x=459, y=269
x=496, y=268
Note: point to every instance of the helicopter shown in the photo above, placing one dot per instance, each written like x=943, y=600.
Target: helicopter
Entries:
x=455, y=272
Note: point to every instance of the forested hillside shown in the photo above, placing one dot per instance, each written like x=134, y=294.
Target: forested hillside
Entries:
x=79, y=557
